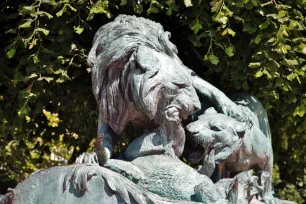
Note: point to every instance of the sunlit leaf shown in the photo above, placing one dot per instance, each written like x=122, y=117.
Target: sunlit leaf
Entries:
x=214, y=59
x=27, y=10
x=27, y=24
x=254, y=64
x=291, y=76
x=78, y=30
x=291, y=62
x=10, y=53
x=43, y=30
x=43, y=13
x=229, y=51
x=187, y=3
x=32, y=76
x=231, y=32
x=258, y=74
x=197, y=27
x=216, y=5
x=36, y=59
x=258, y=38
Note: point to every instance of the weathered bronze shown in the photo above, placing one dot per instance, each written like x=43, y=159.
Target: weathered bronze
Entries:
x=139, y=79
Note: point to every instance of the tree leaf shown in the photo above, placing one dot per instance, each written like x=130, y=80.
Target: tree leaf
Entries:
x=229, y=51
x=24, y=110
x=152, y=9
x=300, y=111
x=214, y=59
x=60, y=12
x=265, y=72
x=123, y=2
x=197, y=27
x=258, y=74
x=18, y=76
x=26, y=9
x=10, y=53
x=36, y=59
x=43, y=30
x=248, y=27
x=78, y=30
x=72, y=8
x=188, y=3
x=254, y=64
x=264, y=25
x=258, y=38
x=291, y=76
x=43, y=13
x=194, y=40
x=245, y=85
x=32, y=76
x=48, y=79
x=291, y=62
x=231, y=32
x=224, y=32
x=275, y=94
x=216, y=5
x=254, y=2
x=25, y=25
x=139, y=9
x=282, y=13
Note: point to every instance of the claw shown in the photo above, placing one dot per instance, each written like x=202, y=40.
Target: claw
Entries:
x=87, y=158
x=101, y=153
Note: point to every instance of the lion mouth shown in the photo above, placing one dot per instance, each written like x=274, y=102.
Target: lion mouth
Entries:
x=182, y=112
x=183, y=106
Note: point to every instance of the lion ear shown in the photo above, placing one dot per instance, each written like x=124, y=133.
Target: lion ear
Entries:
x=147, y=59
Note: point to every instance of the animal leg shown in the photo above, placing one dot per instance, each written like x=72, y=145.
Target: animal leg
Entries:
x=208, y=164
x=149, y=143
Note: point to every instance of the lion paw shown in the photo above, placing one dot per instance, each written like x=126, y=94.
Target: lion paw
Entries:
x=80, y=175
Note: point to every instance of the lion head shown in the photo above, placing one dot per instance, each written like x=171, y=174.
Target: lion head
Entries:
x=137, y=75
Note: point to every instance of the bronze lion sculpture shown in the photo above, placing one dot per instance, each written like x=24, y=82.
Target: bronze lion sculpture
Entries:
x=138, y=78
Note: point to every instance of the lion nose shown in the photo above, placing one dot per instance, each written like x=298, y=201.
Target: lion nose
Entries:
x=181, y=82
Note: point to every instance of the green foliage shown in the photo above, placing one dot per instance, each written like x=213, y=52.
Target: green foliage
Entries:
x=288, y=191
x=46, y=103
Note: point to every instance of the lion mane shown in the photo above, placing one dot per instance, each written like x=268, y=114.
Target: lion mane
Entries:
x=114, y=49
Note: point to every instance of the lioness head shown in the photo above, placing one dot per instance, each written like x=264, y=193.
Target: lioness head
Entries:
x=215, y=127
x=137, y=74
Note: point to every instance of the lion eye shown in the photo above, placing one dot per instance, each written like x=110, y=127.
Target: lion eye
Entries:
x=137, y=66
x=216, y=128
x=153, y=74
